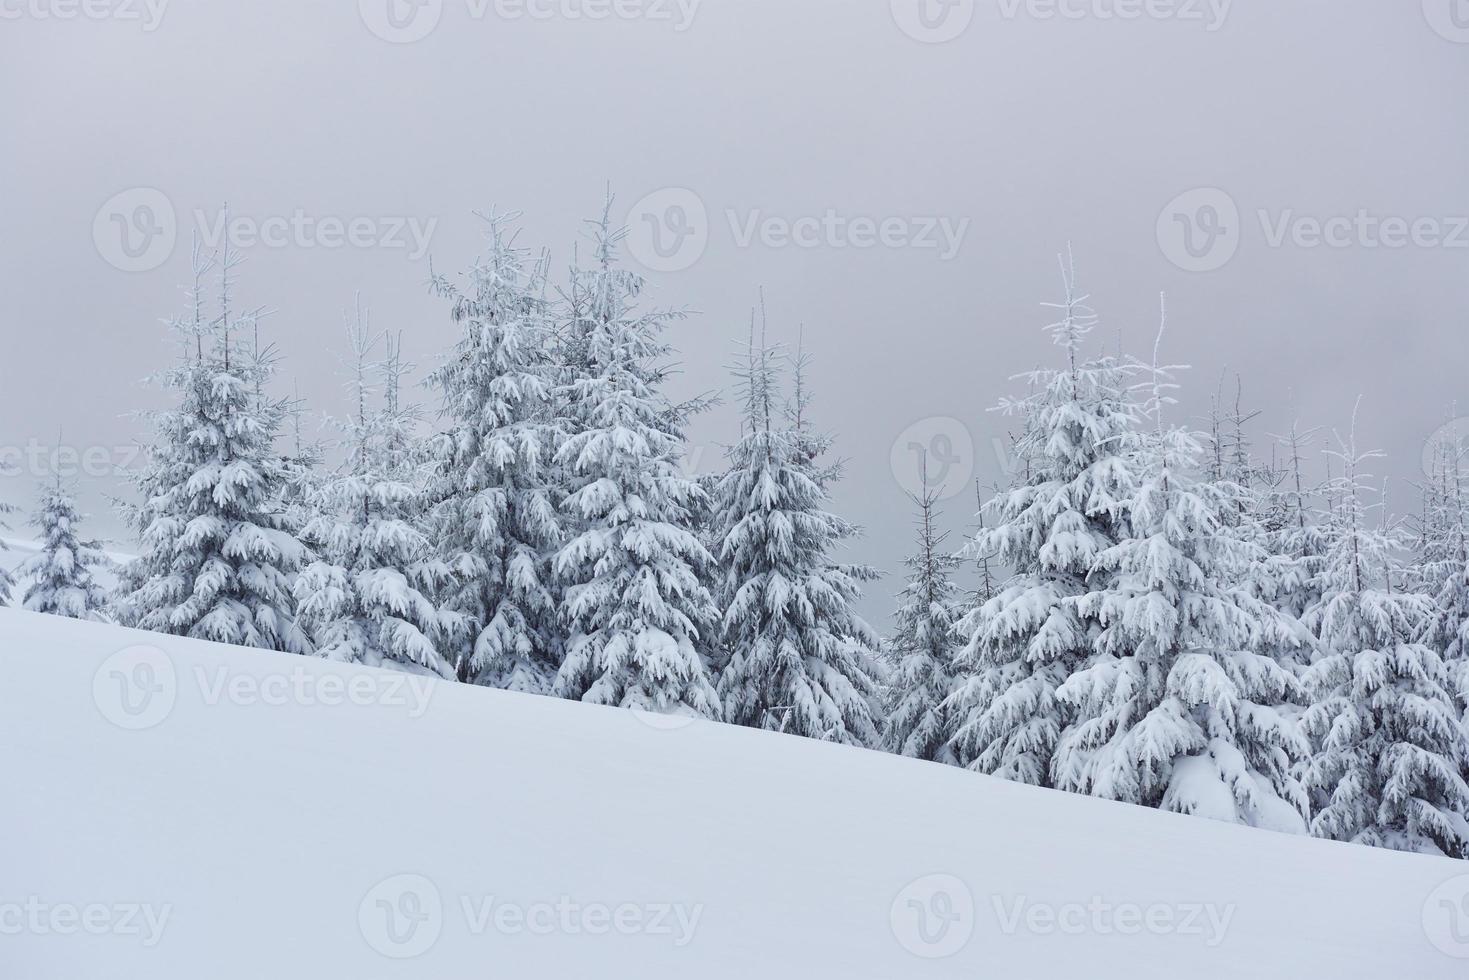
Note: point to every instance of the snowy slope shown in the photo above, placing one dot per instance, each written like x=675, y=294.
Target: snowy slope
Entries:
x=185, y=810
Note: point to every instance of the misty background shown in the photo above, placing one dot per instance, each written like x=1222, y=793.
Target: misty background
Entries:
x=1032, y=125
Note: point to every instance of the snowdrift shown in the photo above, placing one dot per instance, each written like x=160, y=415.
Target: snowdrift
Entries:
x=183, y=810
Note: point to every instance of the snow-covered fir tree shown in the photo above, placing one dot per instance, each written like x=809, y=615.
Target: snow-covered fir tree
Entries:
x=1183, y=705
x=923, y=644
x=496, y=502
x=797, y=657
x=638, y=617
x=369, y=596
x=59, y=577
x=217, y=557
x=1390, y=750
x=1024, y=641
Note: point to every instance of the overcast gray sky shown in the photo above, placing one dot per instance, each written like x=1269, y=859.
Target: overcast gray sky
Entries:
x=897, y=176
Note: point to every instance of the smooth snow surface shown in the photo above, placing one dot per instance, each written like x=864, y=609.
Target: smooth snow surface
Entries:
x=187, y=810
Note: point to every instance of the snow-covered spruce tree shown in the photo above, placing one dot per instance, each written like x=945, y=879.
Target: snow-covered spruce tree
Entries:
x=638, y=617
x=924, y=643
x=1024, y=641
x=302, y=467
x=1390, y=749
x=1183, y=705
x=217, y=559
x=1261, y=503
x=491, y=479
x=367, y=599
x=6, y=582
x=987, y=577
x=1441, y=559
x=797, y=658
x=59, y=577
x=1297, y=545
